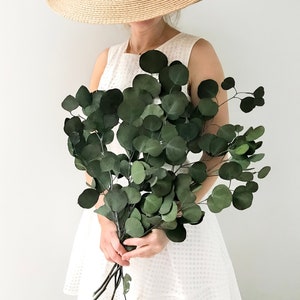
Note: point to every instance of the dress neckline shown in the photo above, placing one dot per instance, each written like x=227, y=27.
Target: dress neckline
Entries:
x=157, y=48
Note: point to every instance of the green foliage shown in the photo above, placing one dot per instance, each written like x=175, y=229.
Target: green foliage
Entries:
x=157, y=127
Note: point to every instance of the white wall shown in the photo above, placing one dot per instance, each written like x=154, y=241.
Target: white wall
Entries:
x=44, y=58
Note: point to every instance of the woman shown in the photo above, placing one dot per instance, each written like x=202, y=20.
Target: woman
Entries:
x=198, y=268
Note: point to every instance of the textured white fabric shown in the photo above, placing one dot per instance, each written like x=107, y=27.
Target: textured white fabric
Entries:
x=197, y=269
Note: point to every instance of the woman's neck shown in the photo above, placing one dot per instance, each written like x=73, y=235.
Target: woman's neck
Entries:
x=148, y=35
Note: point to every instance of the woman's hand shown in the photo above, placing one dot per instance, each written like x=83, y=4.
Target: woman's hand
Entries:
x=110, y=244
x=147, y=246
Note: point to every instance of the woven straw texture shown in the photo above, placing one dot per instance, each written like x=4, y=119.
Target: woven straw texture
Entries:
x=116, y=11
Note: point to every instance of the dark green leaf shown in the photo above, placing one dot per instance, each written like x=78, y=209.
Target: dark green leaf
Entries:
x=230, y=170
x=177, y=235
x=134, y=227
x=70, y=103
x=179, y=74
x=264, y=172
x=247, y=104
x=219, y=199
x=88, y=198
x=153, y=61
x=242, y=198
x=138, y=172
x=133, y=194
x=227, y=132
x=259, y=92
x=198, y=172
x=116, y=199
x=152, y=204
x=208, y=89
x=110, y=101
x=207, y=107
x=84, y=97
x=148, y=83
x=228, y=83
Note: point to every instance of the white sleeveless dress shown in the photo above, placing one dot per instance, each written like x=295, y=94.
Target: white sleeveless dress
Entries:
x=197, y=269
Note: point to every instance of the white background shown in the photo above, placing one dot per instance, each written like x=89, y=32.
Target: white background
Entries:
x=44, y=57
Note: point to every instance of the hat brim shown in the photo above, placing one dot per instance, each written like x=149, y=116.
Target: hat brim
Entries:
x=116, y=11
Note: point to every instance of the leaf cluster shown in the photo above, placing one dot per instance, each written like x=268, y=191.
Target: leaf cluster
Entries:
x=157, y=126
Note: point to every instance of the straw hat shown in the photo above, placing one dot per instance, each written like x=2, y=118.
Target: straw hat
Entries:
x=116, y=11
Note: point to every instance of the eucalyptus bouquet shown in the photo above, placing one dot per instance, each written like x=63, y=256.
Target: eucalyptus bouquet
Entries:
x=157, y=127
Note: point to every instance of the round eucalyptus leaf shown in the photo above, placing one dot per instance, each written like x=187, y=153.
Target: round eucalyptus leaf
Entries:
x=247, y=104
x=69, y=103
x=257, y=157
x=208, y=89
x=110, y=162
x=218, y=146
x=138, y=172
x=136, y=214
x=148, y=83
x=194, y=145
x=134, y=227
x=254, y=133
x=133, y=194
x=245, y=176
x=93, y=168
x=207, y=107
x=174, y=104
x=179, y=74
x=132, y=107
x=172, y=214
x=79, y=164
x=238, y=128
x=151, y=204
x=140, y=143
x=168, y=132
x=167, y=85
x=110, y=101
x=73, y=125
x=105, y=211
x=91, y=152
x=125, y=168
x=264, y=172
x=84, y=97
x=126, y=134
x=88, y=198
x=177, y=235
x=198, y=172
x=175, y=148
x=193, y=214
x=157, y=162
x=259, y=92
x=188, y=131
x=163, y=186
x=186, y=197
x=108, y=137
x=259, y=101
x=152, y=123
x=183, y=181
x=116, y=199
x=166, y=205
x=153, y=147
x=252, y=186
x=153, y=61
x=242, y=198
x=230, y=170
x=205, y=141
x=227, y=132
x=241, y=149
x=219, y=199
x=169, y=225
x=110, y=121
x=152, y=110
x=228, y=83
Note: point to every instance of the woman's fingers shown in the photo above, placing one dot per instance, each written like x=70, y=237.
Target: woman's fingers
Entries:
x=147, y=246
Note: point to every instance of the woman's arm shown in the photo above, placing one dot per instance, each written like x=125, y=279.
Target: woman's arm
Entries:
x=204, y=64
